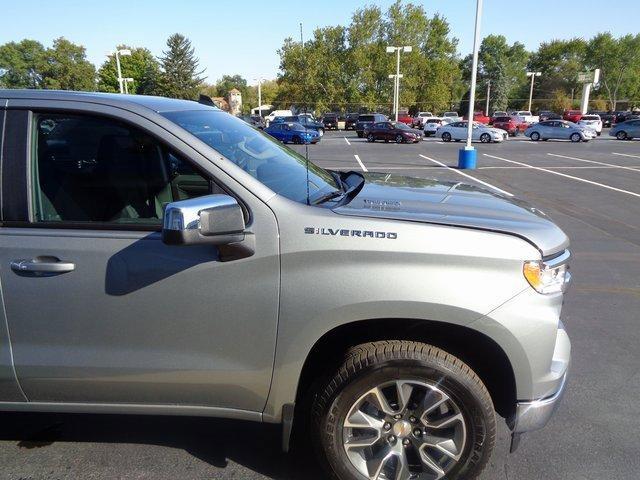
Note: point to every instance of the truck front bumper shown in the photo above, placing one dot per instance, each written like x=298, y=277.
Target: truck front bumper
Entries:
x=534, y=415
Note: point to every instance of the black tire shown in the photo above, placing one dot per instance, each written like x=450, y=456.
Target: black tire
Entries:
x=371, y=364
x=621, y=135
x=371, y=138
x=535, y=136
x=575, y=137
x=360, y=134
x=297, y=140
x=485, y=138
x=399, y=138
x=446, y=137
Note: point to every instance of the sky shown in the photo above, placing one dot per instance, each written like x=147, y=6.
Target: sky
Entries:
x=243, y=36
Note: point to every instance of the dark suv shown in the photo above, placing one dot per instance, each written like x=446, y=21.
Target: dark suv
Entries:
x=365, y=121
x=350, y=121
x=330, y=121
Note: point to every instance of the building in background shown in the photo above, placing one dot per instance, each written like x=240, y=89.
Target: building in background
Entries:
x=235, y=101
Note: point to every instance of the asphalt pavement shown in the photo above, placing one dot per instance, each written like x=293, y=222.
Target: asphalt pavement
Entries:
x=592, y=190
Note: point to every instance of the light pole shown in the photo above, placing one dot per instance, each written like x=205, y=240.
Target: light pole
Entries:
x=467, y=156
x=397, y=76
x=486, y=113
x=259, y=80
x=533, y=75
x=127, y=53
x=127, y=81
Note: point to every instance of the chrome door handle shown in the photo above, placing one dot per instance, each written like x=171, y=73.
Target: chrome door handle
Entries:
x=42, y=265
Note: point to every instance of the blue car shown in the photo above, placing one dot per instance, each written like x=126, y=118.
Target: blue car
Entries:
x=626, y=130
x=304, y=119
x=292, y=132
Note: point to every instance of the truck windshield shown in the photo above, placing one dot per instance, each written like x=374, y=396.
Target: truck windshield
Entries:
x=278, y=167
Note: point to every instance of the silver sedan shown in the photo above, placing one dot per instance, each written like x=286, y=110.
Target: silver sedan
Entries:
x=559, y=130
x=480, y=133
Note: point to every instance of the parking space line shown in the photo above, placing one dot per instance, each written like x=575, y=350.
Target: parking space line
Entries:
x=568, y=167
x=348, y=142
x=625, y=155
x=364, y=169
x=468, y=176
x=593, y=161
x=579, y=179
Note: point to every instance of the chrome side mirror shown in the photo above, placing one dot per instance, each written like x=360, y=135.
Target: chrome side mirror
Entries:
x=212, y=219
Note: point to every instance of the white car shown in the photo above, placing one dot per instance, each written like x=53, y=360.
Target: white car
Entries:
x=418, y=120
x=527, y=117
x=276, y=113
x=593, y=122
x=430, y=125
x=452, y=116
x=480, y=133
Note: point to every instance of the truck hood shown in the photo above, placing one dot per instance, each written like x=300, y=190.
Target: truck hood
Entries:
x=456, y=204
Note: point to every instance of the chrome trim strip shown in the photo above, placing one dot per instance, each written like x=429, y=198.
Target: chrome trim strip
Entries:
x=133, y=409
x=561, y=259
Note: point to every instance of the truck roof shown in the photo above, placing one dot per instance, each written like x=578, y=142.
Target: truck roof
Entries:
x=157, y=104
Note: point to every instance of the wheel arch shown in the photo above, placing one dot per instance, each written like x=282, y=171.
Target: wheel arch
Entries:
x=480, y=352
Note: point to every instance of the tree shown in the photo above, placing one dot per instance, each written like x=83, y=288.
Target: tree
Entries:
x=22, y=64
x=67, y=67
x=618, y=61
x=501, y=64
x=180, y=76
x=141, y=66
x=559, y=61
x=348, y=67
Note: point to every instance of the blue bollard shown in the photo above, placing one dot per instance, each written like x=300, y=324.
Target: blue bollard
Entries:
x=467, y=158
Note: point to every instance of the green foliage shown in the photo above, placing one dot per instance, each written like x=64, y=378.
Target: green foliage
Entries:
x=501, y=64
x=180, y=76
x=28, y=65
x=67, y=67
x=141, y=66
x=22, y=63
x=342, y=66
x=559, y=61
x=619, y=62
x=560, y=101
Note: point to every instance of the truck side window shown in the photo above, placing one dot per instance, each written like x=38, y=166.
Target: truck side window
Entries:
x=94, y=169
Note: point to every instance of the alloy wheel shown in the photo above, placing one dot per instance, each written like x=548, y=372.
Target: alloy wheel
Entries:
x=404, y=429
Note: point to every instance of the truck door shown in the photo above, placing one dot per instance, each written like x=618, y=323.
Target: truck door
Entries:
x=9, y=391
x=106, y=312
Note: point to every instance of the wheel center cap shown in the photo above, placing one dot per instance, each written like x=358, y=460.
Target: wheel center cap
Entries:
x=402, y=429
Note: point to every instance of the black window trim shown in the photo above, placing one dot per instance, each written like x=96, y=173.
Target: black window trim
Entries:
x=24, y=165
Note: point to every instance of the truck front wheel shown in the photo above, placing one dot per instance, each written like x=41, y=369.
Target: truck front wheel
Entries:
x=401, y=409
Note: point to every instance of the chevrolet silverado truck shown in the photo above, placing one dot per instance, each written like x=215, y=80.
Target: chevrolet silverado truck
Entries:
x=162, y=257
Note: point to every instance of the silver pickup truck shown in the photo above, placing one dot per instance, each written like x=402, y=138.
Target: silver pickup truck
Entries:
x=163, y=257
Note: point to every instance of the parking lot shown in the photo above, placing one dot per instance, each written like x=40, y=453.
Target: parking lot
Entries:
x=592, y=190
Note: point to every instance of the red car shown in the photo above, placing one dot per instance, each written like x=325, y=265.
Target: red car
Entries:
x=512, y=125
x=405, y=118
x=572, y=115
x=480, y=118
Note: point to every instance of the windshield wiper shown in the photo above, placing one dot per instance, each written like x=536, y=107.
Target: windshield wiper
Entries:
x=328, y=196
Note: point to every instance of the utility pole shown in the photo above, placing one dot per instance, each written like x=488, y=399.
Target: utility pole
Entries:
x=488, y=95
x=467, y=156
x=533, y=75
x=397, y=76
x=118, y=53
x=259, y=80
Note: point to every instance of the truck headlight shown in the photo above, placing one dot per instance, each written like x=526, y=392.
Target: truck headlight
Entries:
x=550, y=276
